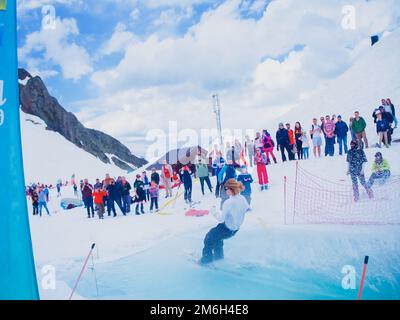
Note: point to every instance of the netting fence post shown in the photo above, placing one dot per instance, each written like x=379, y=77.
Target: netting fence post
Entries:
x=295, y=190
x=285, y=198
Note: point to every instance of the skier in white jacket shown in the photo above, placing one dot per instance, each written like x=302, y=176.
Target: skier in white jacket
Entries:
x=231, y=219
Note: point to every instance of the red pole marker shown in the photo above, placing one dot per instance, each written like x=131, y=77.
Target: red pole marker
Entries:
x=83, y=269
x=363, y=277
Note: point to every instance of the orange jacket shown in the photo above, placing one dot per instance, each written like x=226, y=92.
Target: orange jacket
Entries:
x=291, y=136
x=98, y=197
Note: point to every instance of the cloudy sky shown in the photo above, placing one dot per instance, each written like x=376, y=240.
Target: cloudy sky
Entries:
x=129, y=66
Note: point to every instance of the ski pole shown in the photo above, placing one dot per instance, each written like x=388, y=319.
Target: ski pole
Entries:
x=363, y=277
x=83, y=269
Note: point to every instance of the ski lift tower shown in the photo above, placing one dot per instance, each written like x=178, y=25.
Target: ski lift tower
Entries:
x=217, y=111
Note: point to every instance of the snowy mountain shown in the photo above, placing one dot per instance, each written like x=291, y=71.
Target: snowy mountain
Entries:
x=56, y=144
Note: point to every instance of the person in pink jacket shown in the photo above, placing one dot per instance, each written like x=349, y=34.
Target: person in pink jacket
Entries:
x=260, y=160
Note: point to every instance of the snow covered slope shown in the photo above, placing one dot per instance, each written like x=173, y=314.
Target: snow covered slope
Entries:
x=48, y=156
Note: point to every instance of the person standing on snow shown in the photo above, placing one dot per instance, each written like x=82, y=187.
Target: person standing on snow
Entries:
x=268, y=146
x=283, y=142
x=356, y=159
x=260, y=160
x=246, y=179
x=186, y=178
x=306, y=145
x=140, y=194
x=154, y=195
x=203, y=175
x=359, y=125
x=393, y=109
x=292, y=141
x=35, y=202
x=249, y=148
x=315, y=134
x=112, y=198
x=146, y=182
x=341, y=131
x=58, y=189
x=155, y=177
x=43, y=201
x=382, y=128
x=227, y=172
x=126, y=195
x=166, y=176
x=218, y=164
x=329, y=130
x=298, y=134
x=231, y=219
x=87, y=197
x=98, y=199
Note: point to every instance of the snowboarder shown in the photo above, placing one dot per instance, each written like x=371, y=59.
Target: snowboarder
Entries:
x=356, y=159
x=186, y=178
x=359, y=125
x=140, y=194
x=341, y=131
x=246, y=179
x=154, y=195
x=87, y=197
x=166, y=176
x=231, y=219
x=203, y=175
x=315, y=134
x=260, y=161
x=380, y=170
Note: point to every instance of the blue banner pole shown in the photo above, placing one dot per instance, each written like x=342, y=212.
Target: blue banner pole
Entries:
x=17, y=268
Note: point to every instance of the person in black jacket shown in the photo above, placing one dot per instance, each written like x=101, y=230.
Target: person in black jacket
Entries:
x=87, y=197
x=341, y=131
x=114, y=195
x=186, y=178
x=155, y=177
x=126, y=195
x=356, y=159
x=283, y=142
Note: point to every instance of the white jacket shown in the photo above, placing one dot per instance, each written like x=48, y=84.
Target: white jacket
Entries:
x=233, y=212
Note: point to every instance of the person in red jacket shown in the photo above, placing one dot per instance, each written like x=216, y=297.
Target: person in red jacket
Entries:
x=260, y=160
x=98, y=196
x=292, y=140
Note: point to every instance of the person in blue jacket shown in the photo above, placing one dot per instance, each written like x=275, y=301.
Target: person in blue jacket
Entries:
x=246, y=179
x=341, y=131
x=217, y=166
x=283, y=142
x=227, y=172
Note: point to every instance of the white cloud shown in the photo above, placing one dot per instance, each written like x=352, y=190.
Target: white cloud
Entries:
x=118, y=42
x=250, y=62
x=55, y=48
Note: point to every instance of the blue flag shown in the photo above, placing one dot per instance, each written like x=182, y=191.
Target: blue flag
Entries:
x=17, y=268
